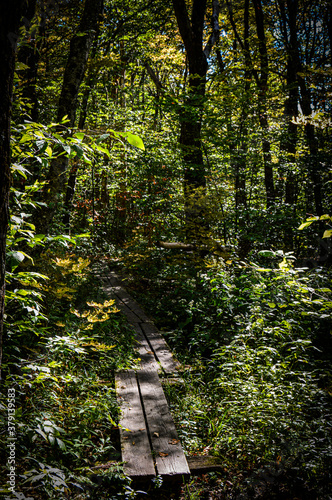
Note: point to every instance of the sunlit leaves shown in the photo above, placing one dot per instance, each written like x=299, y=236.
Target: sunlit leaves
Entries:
x=100, y=312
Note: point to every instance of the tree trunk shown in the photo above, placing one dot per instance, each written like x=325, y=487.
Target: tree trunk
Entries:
x=191, y=31
x=11, y=14
x=28, y=54
x=73, y=76
x=262, y=82
x=70, y=191
x=288, y=143
x=240, y=176
x=314, y=166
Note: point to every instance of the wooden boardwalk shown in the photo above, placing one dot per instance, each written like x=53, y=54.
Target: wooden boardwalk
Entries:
x=149, y=441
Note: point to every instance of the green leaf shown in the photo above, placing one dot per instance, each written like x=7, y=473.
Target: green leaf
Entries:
x=102, y=138
x=78, y=150
x=315, y=217
x=61, y=444
x=325, y=217
x=19, y=66
x=19, y=256
x=25, y=138
x=305, y=224
x=327, y=233
x=271, y=304
x=79, y=136
x=102, y=149
x=134, y=140
x=19, y=169
x=267, y=253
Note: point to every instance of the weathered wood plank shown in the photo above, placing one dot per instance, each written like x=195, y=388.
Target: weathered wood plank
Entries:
x=169, y=456
x=130, y=315
x=151, y=329
x=160, y=348
x=136, y=309
x=135, y=444
x=127, y=299
x=165, y=358
x=147, y=356
x=204, y=463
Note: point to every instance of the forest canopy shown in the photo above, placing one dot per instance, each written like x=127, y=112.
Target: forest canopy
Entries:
x=186, y=143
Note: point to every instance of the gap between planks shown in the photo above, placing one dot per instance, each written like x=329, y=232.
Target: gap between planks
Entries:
x=152, y=348
x=149, y=441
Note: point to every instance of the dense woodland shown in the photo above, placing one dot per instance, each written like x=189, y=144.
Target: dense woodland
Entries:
x=187, y=144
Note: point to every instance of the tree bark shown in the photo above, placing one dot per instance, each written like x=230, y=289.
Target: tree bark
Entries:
x=191, y=30
x=80, y=46
x=262, y=82
x=11, y=15
x=28, y=54
x=291, y=110
x=288, y=144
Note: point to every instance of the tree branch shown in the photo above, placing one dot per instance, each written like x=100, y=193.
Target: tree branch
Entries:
x=183, y=21
x=214, y=37
x=153, y=76
x=237, y=36
x=197, y=20
x=213, y=247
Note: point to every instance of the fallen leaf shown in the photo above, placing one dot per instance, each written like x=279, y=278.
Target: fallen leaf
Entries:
x=162, y=454
x=174, y=441
x=156, y=434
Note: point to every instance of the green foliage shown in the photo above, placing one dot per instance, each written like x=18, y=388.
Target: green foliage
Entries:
x=310, y=220
x=255, y=341
x=67, y=406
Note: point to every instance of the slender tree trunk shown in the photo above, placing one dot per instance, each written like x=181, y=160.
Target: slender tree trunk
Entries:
x=314, y=166
x=291, y=104
x=240, y=177
x=11, y=14
x=73, y=76
x=289, y=142
x=262, y=82
x=28, y=54
x=70, y=191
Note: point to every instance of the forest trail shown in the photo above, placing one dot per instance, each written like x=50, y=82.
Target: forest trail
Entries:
x=150, y=445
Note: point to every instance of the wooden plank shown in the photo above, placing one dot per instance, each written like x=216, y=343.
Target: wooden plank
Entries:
x=205, y=463
x=169, y=456
x=130, y=315
x=151, y=329
x=165, y=358
x=132, y=304
x=135, y=444
x=148, y=359
x=127, y=299
x=160, y=348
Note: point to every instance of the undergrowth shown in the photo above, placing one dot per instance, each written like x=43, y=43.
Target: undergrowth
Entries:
x=61, y=363
x=254, y=339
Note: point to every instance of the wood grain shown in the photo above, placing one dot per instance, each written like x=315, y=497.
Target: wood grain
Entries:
x=169, y=456
x=135, y=445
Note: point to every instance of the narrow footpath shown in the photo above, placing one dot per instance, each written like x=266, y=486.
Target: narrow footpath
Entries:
x=149, y=441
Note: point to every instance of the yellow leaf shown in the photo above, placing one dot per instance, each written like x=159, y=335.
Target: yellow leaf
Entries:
x=73, y=311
